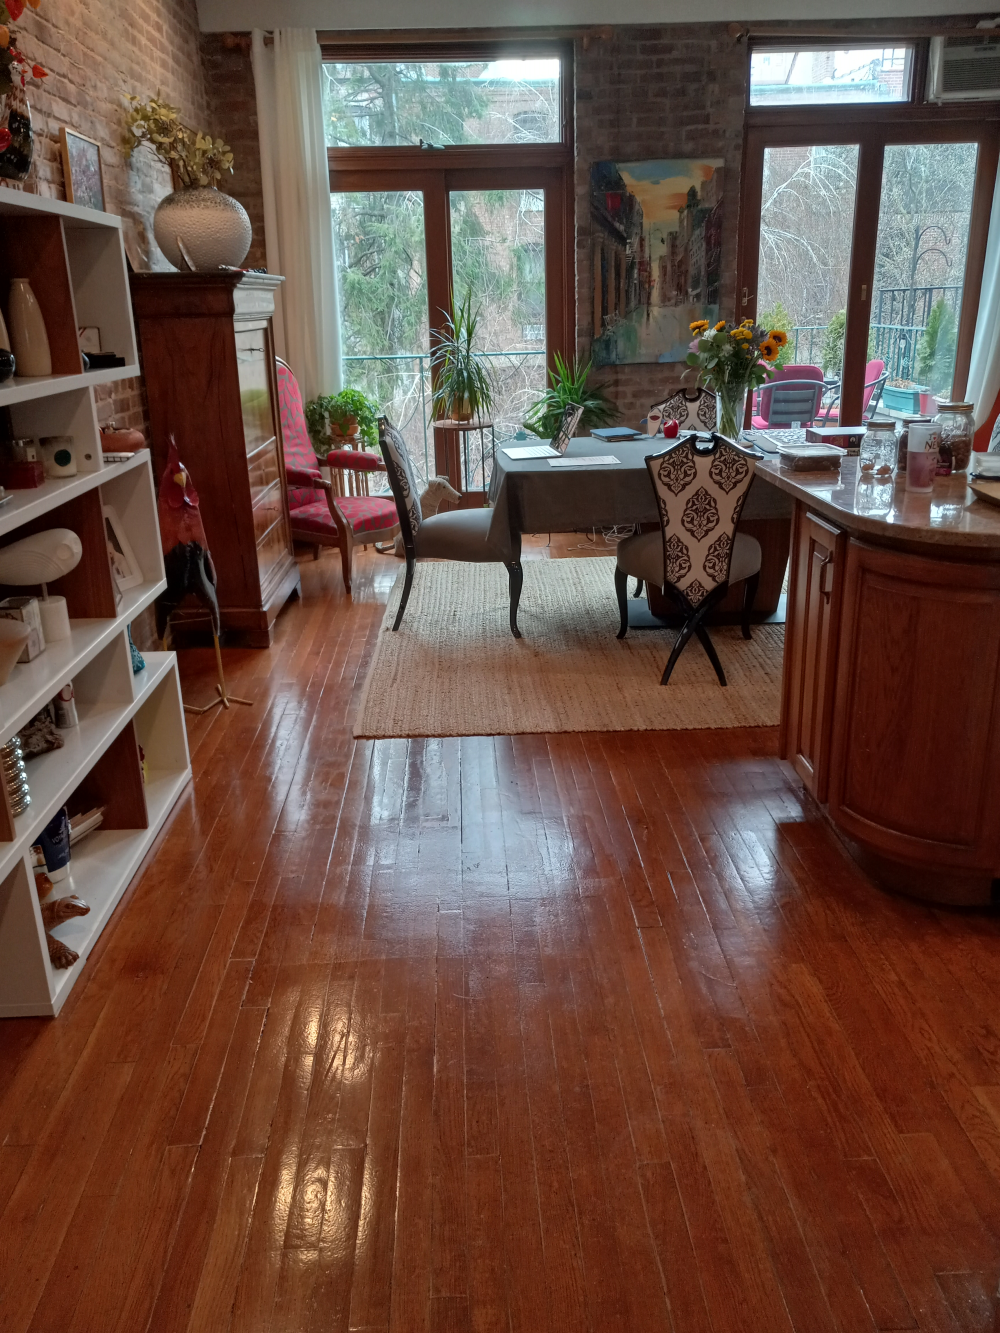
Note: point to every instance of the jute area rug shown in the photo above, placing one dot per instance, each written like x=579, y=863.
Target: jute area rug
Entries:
x=454, y=669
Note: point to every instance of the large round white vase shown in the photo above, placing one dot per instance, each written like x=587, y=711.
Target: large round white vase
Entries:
x=202, y=229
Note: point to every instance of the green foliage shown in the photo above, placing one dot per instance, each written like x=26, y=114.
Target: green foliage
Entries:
x=197, y=158
x=336, y=409
x=463, y=382
x=382, y=105
x=831, y=353
x=937, y=349
x=779, y=317
x=733, y=356
x=568, y=387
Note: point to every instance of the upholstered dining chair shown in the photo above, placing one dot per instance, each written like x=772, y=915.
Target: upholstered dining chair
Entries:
x=700, y=483
x=460, y=534
x=337, y=512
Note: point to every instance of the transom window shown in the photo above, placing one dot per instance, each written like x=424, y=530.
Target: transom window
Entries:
x=819, y=75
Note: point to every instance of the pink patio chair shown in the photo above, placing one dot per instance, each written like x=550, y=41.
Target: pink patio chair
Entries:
x=875, y=378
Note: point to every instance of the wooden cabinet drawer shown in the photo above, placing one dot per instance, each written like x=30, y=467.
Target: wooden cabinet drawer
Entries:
x=264, y=471
x=255, y=387
x=267, y=510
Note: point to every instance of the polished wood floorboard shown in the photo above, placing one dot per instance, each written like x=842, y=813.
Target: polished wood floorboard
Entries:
x=594, y=1033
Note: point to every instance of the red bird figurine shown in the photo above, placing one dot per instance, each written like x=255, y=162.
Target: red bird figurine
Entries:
x=186, y=556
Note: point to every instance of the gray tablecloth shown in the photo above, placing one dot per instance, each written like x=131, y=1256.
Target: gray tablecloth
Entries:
x=528, y=495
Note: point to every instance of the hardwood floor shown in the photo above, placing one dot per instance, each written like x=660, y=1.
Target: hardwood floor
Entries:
x=578, y=1032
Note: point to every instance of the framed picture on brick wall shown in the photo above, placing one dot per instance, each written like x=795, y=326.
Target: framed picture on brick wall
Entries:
x=82, y=168
x=657, y=237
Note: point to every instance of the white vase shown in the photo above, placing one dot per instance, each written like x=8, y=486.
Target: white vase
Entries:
x=30, y=342
x=202, y=229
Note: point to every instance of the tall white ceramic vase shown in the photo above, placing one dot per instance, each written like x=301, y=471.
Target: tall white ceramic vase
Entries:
x=30, y=341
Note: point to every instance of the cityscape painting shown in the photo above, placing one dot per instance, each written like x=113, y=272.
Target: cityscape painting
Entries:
x=657, y=237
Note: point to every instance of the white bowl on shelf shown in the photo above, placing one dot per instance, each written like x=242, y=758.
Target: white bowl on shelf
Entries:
x=13, y=637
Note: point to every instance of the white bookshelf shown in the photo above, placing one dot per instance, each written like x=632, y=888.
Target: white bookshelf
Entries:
x=117, y=710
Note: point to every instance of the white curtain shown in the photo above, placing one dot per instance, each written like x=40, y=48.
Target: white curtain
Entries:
x=297, y=222
x=984, y=368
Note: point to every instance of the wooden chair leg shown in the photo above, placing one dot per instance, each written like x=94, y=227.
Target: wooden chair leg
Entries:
x=621, y=591
x=749, y=595
x=516, y=575
x=705, y=640
x=407, y=585
x=345, y=541
x=694, y=625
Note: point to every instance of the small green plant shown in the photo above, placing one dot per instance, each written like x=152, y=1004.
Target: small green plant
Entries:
x=197, y=158
x=463, y=382
x=340, y=410
x=831, y=355
x=568, y=388
x=780, y=318
x=937, y=348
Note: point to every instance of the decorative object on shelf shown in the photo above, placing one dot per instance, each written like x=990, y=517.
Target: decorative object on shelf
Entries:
x=188, y=562
x=20, y=467
x=15, y=115
x=733, y=359
x=82, y=170
x=197, y=227
x=463, y=381
x=138, y=661
x=65, y=705
x=59, y=455
x=671, y=208
x=7, y=362
x=121, y=441
x=15, y=776
x=957, y=427
x=61, y=955
x=29, y=338
x=54, y=841
x=124, y=566
x=82, y=824
x=90, y=339
x=55, y=618
x=13, y=637
x=24, y=610
x=438, y=490
x=568, y=387
x=339, y=420
x=40, y=558
x=41, y=735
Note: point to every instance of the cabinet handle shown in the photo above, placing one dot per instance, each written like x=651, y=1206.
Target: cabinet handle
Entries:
x=826, y=575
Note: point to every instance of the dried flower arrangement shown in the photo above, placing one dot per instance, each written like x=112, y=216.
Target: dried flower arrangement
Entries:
x=195, y=157
x=14, y=66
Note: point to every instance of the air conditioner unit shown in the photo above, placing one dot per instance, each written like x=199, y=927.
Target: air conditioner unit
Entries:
x=964, y=69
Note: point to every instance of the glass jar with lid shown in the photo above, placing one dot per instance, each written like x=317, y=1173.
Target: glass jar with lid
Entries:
x=904, y=437
x=878, y=451
x=957, y=431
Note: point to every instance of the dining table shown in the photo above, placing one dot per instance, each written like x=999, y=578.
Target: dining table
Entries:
x=530, y=495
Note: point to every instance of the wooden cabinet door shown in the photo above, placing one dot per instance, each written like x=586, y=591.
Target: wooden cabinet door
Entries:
x=811, y=650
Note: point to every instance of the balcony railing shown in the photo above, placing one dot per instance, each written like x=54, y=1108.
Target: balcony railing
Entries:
x=895, y=344
x=401, y=384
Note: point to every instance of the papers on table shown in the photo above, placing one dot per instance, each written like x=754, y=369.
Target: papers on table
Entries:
x=985, y=465
x=531, y=451
x=600, y=460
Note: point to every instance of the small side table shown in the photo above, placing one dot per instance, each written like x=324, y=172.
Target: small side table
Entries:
x=453, y=459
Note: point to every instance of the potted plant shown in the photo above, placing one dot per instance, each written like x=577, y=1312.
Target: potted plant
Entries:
x=16, y=137
x=197, y=227
x=568, y=388
x=334, y=419
x=903, y=396
x=463, y=383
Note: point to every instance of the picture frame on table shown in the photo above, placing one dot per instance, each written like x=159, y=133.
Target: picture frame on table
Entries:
x=125, y=568
x=83, y=170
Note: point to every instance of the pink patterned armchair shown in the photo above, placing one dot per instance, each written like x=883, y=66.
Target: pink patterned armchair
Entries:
x=330, y=513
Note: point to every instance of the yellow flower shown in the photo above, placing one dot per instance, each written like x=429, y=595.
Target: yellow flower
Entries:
x=720, y=326
x=769, y=350
x=747, y=324
x=778, y=336
x=698, y=326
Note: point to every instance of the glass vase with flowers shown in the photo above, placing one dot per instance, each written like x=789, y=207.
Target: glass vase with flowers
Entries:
x=732, y=360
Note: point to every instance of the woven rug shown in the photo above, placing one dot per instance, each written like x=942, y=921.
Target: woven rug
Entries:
x=454, y=669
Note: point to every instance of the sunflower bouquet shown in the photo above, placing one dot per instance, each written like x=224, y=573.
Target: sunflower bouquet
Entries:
x=733, y=359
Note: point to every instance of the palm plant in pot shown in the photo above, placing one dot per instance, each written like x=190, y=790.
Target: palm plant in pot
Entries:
x=568, y=387
x=463, y=381
x=197, y=227
x=337, y=419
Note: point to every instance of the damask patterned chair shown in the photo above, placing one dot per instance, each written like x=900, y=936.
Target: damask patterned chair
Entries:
x=460, y=534
x=700, y=483
x=321, y=512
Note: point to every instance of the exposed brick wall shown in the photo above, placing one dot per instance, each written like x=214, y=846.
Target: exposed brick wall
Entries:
x=646, y=93
x=233, y=113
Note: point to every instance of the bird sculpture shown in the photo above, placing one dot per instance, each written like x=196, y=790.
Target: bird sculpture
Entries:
x=187, y=561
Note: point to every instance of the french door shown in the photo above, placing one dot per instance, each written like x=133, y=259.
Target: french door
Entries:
x=864, y=237
x=413, y=236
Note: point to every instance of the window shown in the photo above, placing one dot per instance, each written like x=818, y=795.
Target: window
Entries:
x=441, y=103
x=823, y=75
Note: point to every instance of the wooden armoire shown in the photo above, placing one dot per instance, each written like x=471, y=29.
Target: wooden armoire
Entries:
x=208, y=364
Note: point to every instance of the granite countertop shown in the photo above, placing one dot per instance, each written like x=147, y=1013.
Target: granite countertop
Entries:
x=886, y=512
